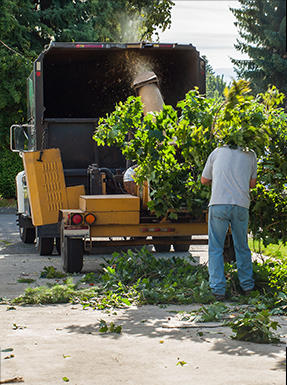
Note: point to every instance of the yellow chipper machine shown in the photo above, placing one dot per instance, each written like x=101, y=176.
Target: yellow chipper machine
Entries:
x=71, y=193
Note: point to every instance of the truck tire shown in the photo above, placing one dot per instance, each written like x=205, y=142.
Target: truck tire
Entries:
x=27, y=234
x=45, y=246
x=72, y=251
x=26, y=229
x=181, y=247
x=163, y=248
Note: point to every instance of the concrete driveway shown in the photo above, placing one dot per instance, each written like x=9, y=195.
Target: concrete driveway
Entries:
x=58, y=344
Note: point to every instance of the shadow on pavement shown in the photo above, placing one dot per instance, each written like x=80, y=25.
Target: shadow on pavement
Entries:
x=280, y=365
x=154, y=322
x=17, y=247
x=244, y=348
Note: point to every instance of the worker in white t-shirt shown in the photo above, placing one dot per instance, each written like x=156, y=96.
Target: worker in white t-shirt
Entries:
x=231, y=172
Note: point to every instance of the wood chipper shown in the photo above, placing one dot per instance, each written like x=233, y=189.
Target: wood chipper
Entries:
x=71, y=193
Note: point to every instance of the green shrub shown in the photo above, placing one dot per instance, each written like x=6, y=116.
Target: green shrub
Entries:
x=10, y=165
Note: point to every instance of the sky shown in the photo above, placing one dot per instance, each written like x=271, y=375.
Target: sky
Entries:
x=209, y=26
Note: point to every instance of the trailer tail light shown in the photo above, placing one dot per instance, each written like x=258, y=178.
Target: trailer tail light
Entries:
x=90, y=219
x=76, y=219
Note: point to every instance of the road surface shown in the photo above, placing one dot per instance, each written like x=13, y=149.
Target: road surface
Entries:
x=45, y=344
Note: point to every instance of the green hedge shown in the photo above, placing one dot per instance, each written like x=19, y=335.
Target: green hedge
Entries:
x=10, y=165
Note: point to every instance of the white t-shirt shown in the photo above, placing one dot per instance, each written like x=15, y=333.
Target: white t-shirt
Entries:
x=230, y=171
x=129, y=174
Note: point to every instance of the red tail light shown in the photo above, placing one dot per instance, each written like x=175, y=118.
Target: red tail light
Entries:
x=77, y=219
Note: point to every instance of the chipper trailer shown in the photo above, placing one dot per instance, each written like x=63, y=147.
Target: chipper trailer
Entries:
x=71, y=193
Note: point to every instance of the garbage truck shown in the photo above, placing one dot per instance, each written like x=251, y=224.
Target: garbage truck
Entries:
x=71, y=194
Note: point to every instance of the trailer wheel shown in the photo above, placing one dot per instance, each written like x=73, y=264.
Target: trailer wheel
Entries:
x=27, y=234
x=163, y=248
x=72, y=251
x=45, y=246
x=181, y=247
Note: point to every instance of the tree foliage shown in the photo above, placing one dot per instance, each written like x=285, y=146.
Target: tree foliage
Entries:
x=104, y=20
x=16, y=54
x=10, y=165
x=132, y=20
x=215, y=83
x=26, y=26
x=262, y=28
x=171, y=147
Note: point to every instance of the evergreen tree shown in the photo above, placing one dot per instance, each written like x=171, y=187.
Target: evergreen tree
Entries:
x=215, y=84
x=262, y=27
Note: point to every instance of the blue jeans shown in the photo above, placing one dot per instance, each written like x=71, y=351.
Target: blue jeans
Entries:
x=219, y=218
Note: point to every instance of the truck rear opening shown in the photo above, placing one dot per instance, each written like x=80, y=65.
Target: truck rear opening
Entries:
x=76, y=83
x=87, y=80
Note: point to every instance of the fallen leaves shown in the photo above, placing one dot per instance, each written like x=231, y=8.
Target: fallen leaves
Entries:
x=181, y=363
x=109, y=328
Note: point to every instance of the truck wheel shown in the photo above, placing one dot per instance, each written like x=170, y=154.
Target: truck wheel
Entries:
x=163, y=248
x=181, y=247
x=45, y=246
x=72, y=251
x=27, y=234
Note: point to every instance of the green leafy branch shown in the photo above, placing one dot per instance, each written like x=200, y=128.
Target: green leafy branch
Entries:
x=254, y=327
x=170, y=148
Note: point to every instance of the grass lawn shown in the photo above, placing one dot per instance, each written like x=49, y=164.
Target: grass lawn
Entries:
x=271, y=250
x=7, y=202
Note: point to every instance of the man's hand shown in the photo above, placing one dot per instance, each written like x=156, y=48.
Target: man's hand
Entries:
x=205, y=181
x=252, y=182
